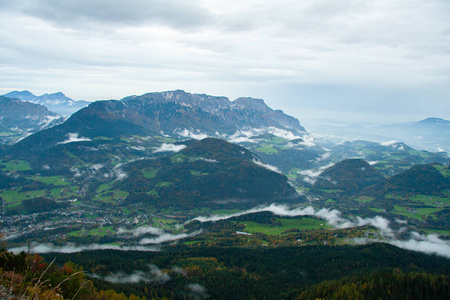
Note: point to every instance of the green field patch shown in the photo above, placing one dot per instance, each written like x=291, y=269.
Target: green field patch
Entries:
x=392, y=196
x=179, y=158
x=191, y=242
x=153, y=192
x=90, y=216
x=105, y=187
x=6, y=133
x=70, y=191
x=222, y=212
x=13, y=196
x=292, y=176
x=54, y=180
x=377, y=210
x=165, y=223
x=286, y=224
x=444, y=170
x=415, y=213
x=305, y=223
x=201, y=211
x=438, y=231
x=78, y=233
x=164, y=139
x=198, y=173
x=364, y=199
x=163, y=184
x=115, y=244
x=149, y=173
x=431, y=200
x=330, y=201
x=15, y=165
x=13, y=205
x=267, y=150
x=277, y=140
x=103, y=138
x=70, y=154
x=35, y=194
x=56, y=192
x=112, y=196
x=331, y=191
x=101, y=231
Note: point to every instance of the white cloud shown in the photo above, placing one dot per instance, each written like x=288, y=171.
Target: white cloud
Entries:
x=73, y=137
x=138, y=148
x=310, y=176
x=96, y=167
x=324, y=156
x=72, y=248
x=48, y=120
x=154, y=275
x=268, y=167
x=286, y=134
x=241, y=139
x=119, y=173
x=205, y=159
x=142, y=231
x=430, y=244
x=161, y=236
x=167, y=237
x=388, y=143
x=196, y=288
x=169, y=148
x=193, y=135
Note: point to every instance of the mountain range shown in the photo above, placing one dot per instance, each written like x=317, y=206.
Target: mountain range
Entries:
x=139, y=124
x=153, y=162
x=56, y=102
x=21, y=118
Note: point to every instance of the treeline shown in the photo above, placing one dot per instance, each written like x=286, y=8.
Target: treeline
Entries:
x=256, y=272
x=382, y=285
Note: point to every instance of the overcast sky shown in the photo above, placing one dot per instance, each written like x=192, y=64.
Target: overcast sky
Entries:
x=373, y=61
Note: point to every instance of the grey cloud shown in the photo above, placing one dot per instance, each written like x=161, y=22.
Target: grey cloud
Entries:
x=196, y=288
x=72, y=248
x=172, y=13
x=351, y=60
x=167, y=237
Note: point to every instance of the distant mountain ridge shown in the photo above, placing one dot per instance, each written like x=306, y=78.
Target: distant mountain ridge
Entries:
x=19, y=118
x=56, y=102
x=240, y=113
x=177, y=114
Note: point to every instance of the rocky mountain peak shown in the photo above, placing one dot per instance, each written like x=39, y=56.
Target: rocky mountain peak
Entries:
x=251, y=104
x=22, y=95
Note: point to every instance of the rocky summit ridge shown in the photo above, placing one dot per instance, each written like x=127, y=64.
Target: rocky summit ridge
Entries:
x=241, y=113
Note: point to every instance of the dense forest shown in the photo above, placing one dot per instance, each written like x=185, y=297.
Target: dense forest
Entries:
x=305, y=272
